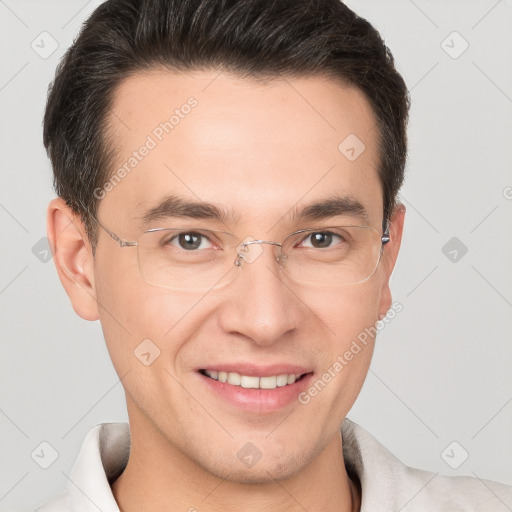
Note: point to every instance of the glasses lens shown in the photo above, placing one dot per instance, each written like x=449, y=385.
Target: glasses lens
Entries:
x=186, y=259
x=333, y=256
x=200, y=259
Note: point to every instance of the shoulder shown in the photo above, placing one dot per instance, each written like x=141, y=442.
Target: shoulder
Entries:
x=422, y=490
x=389, y=485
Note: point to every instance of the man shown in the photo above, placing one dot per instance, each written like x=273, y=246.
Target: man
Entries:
x=227, y=175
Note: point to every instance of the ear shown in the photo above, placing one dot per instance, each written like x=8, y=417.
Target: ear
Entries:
x=390, y=254
x=72, y=254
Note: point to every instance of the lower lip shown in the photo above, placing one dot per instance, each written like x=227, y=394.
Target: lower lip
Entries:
x=258, y=400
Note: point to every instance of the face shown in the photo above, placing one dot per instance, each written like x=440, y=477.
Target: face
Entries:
x=260, y=153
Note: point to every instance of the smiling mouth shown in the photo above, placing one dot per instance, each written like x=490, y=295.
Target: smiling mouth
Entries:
x=254, y=382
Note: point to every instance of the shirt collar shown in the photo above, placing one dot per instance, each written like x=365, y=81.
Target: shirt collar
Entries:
x=102, y=459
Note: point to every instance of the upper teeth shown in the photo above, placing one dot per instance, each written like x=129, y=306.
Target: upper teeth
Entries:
x=247, y=381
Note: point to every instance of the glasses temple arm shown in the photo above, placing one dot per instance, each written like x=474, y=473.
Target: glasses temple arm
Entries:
x=120, y=241
x=385, y=238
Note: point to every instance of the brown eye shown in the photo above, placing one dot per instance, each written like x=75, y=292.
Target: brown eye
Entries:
x=321, y=240
x=190, y=241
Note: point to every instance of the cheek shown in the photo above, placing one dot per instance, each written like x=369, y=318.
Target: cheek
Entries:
x=349, y=317
x=146, y=329
x=133, y=312
x=345, y=349
x=347, y=312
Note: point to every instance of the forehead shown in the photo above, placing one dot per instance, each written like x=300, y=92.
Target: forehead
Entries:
x=257, y=149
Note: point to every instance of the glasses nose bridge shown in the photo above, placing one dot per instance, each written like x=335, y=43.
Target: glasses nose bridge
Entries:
x=270, y=242
x=244, y=254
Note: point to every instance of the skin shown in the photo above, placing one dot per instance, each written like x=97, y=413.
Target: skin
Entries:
x=258, y=149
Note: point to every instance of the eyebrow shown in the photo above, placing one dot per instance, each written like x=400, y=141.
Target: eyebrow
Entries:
x=175, y=206
x=333, y=206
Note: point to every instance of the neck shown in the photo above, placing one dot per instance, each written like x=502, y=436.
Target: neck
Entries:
x=160, y=477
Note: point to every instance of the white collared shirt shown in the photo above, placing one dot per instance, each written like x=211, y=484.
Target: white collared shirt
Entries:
x=387, y=484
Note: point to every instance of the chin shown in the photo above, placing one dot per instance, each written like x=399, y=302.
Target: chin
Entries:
x=262, y=472
x=253, y=476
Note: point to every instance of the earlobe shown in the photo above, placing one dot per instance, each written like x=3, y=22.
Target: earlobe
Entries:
x=72, y=254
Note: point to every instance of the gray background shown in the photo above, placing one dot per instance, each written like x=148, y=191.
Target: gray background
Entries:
x=442, y=367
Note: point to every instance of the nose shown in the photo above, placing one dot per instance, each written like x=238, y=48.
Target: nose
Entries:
x=259, y=304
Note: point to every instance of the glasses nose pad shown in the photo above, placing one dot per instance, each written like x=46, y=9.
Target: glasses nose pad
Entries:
x=248, y=251
x=281, y=259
